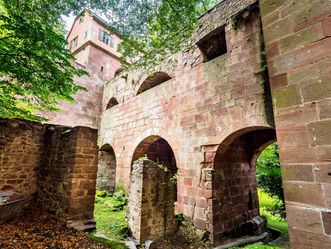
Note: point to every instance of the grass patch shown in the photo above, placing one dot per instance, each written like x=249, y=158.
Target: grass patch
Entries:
x=109, y=214
x=113, y=244
x=259, y=246
x=274, y=222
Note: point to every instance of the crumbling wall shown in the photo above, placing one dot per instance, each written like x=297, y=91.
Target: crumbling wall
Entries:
x=151, y=213
x=21, y=150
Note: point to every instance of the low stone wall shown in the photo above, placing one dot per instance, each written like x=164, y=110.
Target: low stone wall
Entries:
x=151, y=213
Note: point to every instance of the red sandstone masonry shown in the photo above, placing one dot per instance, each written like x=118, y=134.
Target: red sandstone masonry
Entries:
x=300, y=106
x=21, y=151
x=198, y=108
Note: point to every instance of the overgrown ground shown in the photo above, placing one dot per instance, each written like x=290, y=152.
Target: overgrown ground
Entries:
x=109, y=214
x=38, y=230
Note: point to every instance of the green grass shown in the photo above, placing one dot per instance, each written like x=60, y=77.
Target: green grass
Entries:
x=258, y=246
x=274, y=222
x=110, y=223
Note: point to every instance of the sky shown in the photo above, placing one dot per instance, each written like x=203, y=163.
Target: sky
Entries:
x=68, y=21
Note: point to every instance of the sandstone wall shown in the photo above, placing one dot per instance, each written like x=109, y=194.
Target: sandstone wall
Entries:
x=151, y=213
x=55, y=163
x=297, y=36
x=21, y=151
x=68, y=173
x=86, y=109
x=201, y=105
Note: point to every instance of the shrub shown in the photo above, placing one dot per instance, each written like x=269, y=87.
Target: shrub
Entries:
x=268, y=175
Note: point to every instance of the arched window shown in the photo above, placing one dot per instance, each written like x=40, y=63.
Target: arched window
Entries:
x=153, y=80
x=112, y=102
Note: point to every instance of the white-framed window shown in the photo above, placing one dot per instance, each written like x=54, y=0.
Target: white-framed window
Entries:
x=106, y=38
x=85, y=34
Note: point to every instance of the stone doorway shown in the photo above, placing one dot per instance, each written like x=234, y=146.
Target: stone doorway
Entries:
x=106, y=169
x=153, y=190
x=235, y=209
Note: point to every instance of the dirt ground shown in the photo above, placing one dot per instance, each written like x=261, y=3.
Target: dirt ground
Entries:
x=38, y=230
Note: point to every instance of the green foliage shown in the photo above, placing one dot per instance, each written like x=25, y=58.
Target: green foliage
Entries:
x=267, y=209
x=109, y=243
x=100, y=193
x=110, y=221
x=36, y=69
x=259, y=246
x=268, y=175
x=173, y=178
x=152, y=29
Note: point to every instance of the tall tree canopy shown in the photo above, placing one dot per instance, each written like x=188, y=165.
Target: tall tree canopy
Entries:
x=36, y=69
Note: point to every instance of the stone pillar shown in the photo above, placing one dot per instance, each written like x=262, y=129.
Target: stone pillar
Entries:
x=151, y=212
x=68, y=175
x=298, y=45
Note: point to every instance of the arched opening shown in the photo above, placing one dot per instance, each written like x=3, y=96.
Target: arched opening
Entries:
x=112, y=102
x=153, y=190
x=152, y=81
x=236, y=206
x=106, y=169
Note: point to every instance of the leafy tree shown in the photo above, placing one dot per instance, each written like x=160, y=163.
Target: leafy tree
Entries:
x=268, y=173
x=153, y=29
x=36, y=69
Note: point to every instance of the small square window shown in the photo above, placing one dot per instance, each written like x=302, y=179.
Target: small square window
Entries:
x=213, y=44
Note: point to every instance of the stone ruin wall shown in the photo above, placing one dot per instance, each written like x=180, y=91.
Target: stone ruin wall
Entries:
x=151, y=213
x=201, y=105
x=21, y=152
x=53, y=165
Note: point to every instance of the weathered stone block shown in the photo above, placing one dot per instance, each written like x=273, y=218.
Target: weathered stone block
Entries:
x=297, y=172
x=301, y=38
x=305, y=193
x=320, y=133
x=285, y=97
x=306, y=219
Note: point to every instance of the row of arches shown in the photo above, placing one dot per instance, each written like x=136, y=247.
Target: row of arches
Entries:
x=234, y=200
x=151, y=81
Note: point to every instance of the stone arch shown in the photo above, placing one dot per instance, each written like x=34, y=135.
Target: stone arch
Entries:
x=152, y=81
x=112, y=102
x=106, y=176
x=153, y=189
x=235, y=202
